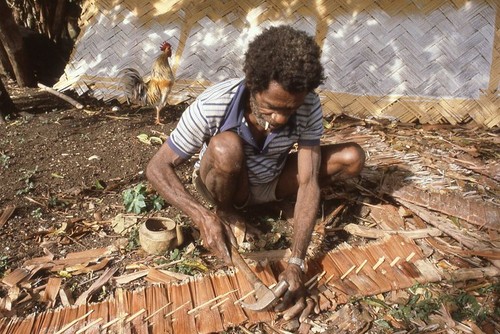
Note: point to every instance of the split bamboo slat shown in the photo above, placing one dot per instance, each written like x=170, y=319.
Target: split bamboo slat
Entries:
x=432, y=61
x=209, y=303
x=231, y=313
x=207, y=320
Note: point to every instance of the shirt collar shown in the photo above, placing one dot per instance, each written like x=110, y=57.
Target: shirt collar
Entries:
x=235, y=120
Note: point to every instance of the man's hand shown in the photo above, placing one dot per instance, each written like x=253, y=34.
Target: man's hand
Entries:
x=216, y=234
x=296, y=300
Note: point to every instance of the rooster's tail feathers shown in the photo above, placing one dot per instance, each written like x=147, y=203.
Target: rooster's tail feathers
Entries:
x=134, y=86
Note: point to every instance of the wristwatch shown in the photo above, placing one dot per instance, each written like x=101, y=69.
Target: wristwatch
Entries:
x=299, y=262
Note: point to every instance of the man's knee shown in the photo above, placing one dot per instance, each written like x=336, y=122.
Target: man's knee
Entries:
x=226, y=152
x=342, y=161
x=354, y=159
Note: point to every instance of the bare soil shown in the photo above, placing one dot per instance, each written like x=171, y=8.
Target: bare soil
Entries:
x=62, y=165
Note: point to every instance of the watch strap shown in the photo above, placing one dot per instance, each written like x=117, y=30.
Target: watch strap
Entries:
x=299, y=262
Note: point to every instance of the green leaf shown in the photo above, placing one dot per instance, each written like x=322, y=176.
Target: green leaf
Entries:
x=143, y=138
x=137, y=204
x=155, y=140
x=134, y=199
x=100, y=185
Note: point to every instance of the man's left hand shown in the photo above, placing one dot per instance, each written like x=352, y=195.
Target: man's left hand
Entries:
x=296, y=301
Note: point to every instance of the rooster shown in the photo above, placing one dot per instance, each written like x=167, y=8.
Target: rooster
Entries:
x=154, y=90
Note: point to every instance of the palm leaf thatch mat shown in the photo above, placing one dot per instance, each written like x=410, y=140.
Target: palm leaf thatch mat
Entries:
x=432, y=61
x=210, y=304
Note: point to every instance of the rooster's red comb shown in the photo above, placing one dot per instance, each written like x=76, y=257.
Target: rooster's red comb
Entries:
x=164, y=46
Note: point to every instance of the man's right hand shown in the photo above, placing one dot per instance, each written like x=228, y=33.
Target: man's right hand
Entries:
x=217, y=235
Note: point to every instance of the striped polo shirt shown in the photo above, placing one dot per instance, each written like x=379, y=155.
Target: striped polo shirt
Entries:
x=220, y=108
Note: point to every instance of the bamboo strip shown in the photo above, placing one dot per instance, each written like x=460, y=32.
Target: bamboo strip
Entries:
x=157, y=311
x=245, y=296
x=88, y=326
x=197, y=308
x=219, y=303
x=347, y=272
x=114, y=321
x=135, y=315
x=361, y=266
x=177, y=309
x=379, y=262
x=73, y=323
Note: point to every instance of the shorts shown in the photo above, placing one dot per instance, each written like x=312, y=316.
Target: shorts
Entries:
x=258, y=194
x=261, y=193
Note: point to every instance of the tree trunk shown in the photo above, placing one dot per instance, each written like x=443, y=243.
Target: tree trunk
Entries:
x=7, y=107
x=13, y=44
x=5, y=66
x=57, y=23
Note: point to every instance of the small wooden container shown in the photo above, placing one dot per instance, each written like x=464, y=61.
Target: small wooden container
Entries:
x=158, y=235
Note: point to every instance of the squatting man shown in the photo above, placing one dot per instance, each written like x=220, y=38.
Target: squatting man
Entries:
x=244, y=130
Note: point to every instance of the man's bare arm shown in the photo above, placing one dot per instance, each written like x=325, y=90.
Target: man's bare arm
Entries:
x=161, y=174
x=308, y=197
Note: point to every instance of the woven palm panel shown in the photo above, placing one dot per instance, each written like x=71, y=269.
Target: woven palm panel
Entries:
x=189, y=307
x=432, y=61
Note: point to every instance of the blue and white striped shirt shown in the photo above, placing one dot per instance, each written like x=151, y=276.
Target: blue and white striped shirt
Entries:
x=220, y=108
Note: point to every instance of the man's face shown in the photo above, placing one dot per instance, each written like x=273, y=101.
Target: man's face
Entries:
x=273, y=107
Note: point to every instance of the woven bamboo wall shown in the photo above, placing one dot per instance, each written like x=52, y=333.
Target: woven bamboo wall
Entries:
x=434, y=61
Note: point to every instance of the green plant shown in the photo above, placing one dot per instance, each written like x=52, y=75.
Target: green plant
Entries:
x=157, y=202
x=103, y=294
x=133, y=240
x=137, y=200
x=175, y=254
x=4, y=264
x=37, y=213
x=467, y=307
x=55, y=202
x=420, y=305
x=4, y=160
x=189, y=265
x=134, y=199
x=27, y=177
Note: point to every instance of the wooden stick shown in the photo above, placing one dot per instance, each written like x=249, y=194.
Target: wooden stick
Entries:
x=219, y=303
x=361, y=266
x=347, y=272
x=409, y=257
x=379, y=262
x=244, y=330
x=177, y=309
x=244, y=297
x=93, y=323
x=157, y=311
x=114, y=321
x=373, y=233
x=210, y=301
x=314, y=280
x=329, y=279
x=135, y=315
x=9, y=210
x=328, y=219
x=74, y=322
x=316, y=277
x=396, y=259
x=60, y=95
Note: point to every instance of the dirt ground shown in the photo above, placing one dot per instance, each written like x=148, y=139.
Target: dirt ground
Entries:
x=65, y=170
x=67, y=165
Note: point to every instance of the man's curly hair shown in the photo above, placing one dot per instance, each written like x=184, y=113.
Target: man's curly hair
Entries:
x=285, y=55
